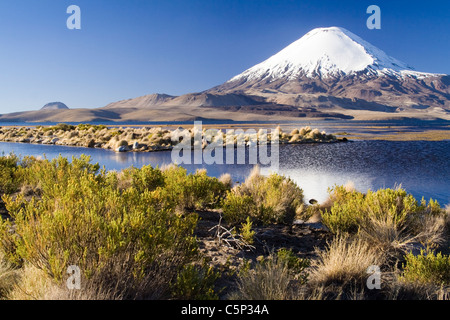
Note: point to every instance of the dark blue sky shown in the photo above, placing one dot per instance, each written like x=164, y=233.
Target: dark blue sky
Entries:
x=131, y=48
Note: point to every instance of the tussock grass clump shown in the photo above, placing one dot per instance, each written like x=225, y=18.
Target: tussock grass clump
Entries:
x=447, y=220
x=272, y=278
x=226, y=180
x=387, y=237
x=295, y=138
x=345, y=260
x=33, y=284
x=8, y=277
x=399, y=289
x=268, y=281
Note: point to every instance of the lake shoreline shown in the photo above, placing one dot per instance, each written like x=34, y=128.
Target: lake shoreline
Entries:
x=147, y=139
x=351, y=130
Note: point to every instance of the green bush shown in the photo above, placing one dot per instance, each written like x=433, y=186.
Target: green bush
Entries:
x=352, y=209
x=193, y=191
x=49, y=177
x=246, y=232
x=196, y=283
x=294, y=263
x=428, y=267
x=272, y=199
x=236, y=207
x=146, y=178
x=60, y=126
x=115, y=237
x=8, y=177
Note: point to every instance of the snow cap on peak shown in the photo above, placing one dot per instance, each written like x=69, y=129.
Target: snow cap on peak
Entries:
x=325, y=52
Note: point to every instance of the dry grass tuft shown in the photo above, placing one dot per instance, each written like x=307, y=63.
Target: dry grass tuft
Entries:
x=226, y=180
x=343, y=261
x=267, y=281
x=447, y=219
x=398, y=289
x=8, y=277
x=431, y=230
x=32, y=284
x=386, y=237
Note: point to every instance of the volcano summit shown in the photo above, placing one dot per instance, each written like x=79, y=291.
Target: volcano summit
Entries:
x=332, y=68
x=327, y=73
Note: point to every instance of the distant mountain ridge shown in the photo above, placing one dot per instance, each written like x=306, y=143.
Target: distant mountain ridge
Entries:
x=335, y=62
x=329, y=73
x=54, y=106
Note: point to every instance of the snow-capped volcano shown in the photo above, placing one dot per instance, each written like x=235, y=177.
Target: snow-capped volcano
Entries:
x=328, y=73
x=327, y=52
x=334, y=69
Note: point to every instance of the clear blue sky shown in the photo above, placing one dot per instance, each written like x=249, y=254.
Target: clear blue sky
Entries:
x=127, y=49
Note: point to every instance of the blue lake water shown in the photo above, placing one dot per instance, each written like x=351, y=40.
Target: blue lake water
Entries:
x=420, y=167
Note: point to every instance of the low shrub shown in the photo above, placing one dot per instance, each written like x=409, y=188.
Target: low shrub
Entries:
x=45, y=176
x=83, y=126
x=59, y=127
x=427, y=267
x=196, y=282
x=352, y=209
x=8, y=178
x=272, y=199
x=117, y=238
x=237, y=208
x=297, y=265
x=146, y=178
x=193, y=191
x=246, y=231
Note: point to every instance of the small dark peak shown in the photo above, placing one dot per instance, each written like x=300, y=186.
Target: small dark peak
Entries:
x=54, y=106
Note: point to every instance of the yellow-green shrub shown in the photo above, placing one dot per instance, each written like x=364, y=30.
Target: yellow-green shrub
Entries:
x=351, y=209
x=83, y=220
x=47, y=176
x=193, y=191
x=272, y=199
x=236, y=207
x=246, y=231
x=196, y=283
x=8, y=179
x=428, y=267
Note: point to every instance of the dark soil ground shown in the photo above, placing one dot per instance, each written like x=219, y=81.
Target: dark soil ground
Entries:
x=302, y=238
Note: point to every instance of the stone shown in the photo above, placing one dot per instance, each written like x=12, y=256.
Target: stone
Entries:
x=122, y=149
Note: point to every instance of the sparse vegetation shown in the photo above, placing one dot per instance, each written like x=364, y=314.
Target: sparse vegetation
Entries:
x=269, y=279
x=145, y=233
x=136, y=139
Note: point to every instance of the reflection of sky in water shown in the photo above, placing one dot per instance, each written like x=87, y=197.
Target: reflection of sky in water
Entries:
x=315, y=184
x=421, y=167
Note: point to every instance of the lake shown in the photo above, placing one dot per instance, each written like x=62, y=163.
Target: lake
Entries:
x=420, y=167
